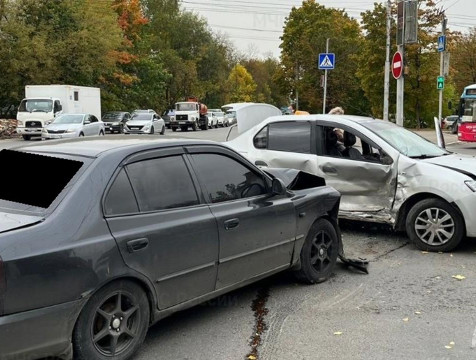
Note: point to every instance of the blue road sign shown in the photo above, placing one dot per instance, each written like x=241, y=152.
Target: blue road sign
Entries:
x=441, y=43
x=326, y=61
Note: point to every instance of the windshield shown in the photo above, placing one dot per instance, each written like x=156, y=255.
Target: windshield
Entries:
x=186, y=107
x=469, y=110
x=36, y=105
x=406, y=142
x=142, y=117
x=230, y=114
x=111, y=116
x=69, y=119
x=23, y=193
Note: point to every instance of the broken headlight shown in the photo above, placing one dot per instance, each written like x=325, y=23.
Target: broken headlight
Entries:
x=471, y=184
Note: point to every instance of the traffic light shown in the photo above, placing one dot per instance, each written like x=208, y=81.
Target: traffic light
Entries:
x=440, y=85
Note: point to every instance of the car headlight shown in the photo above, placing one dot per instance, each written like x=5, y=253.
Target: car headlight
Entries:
x=19, y=123
x=48, y=122
x=172, y=118
x=71, y=131
x=471, y=184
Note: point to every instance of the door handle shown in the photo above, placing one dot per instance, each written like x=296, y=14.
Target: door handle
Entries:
x=231, y=224
x=329, y=170
x=260, y=163
x=137, y=244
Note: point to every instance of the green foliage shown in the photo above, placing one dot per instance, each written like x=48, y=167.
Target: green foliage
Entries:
x=240, y=85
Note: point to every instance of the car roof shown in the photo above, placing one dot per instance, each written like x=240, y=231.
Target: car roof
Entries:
x=322, y=117
x=96, y=146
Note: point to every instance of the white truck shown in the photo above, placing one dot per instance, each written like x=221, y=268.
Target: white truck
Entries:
x=42, y=103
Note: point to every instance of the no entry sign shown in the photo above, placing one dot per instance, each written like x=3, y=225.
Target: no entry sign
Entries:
x=397, y=65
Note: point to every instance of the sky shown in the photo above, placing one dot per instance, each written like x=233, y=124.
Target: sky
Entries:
x=254, y=27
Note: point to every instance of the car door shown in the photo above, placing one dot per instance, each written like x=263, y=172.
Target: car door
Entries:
x=256, y=229
x=87, y=125
x=96, y=126
x=163, y=227
x=360, y=170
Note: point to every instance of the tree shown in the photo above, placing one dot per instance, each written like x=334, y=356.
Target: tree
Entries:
x=304, y=37
x=464, y=60
x=240, y=85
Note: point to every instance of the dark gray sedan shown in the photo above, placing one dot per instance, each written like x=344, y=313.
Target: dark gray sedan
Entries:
x=102, y=238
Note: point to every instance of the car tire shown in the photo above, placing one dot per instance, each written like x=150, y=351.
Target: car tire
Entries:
x=163, y=130
x=184, y=128
x=454, y=128
x=101, y=318
x=194, y=126
x=81, y=134
x=174, y=129
x=152, y=130
x=319, y=253
x=435, y=218
x=101, y=133
x=26, y=137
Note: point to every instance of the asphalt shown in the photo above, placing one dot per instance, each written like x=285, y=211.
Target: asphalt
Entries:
x=409, y=306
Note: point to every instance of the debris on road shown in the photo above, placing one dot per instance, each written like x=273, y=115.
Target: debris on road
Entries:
x=7, y=128
x=338, y=333
x=459, y=277
x=405, y=319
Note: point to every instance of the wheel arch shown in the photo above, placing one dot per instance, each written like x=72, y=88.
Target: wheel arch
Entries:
x=414, y=199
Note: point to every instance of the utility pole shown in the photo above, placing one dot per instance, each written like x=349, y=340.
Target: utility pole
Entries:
x=325, y=82
x=297, y=88
x=401, y=49
x=442, y=65
x=386, y=94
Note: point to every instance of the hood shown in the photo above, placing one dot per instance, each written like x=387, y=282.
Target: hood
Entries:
x=138, y=122
x=465, y=164
x=35, y=116
x=9, y=221
x=63, y=126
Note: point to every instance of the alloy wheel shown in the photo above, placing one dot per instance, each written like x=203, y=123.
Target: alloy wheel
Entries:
x=116, y=324
x=434, y=226
x=321, y=251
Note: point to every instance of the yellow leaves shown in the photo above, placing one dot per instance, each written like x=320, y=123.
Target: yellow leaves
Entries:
x=338, y=333
x=417, y=312
x=450, y=346
x=252, y=357
x=459, y=277
x=405, y=319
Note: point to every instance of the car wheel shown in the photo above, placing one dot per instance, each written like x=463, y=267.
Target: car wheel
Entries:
x=174, y=129
x=435, y=225
x=26, y=137
x=194, y=126
x=163, y=130
x=226, y=124
x=319, y=253
x=101, y=133
x=152, y=130
x=113, y=324
x=81, y=134
x=454, y=128
x=184, y=128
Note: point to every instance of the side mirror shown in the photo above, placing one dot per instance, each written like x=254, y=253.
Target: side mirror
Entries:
x=87, y=122
x=278, y=187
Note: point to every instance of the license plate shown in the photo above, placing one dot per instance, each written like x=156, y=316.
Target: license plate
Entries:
x=182, y=122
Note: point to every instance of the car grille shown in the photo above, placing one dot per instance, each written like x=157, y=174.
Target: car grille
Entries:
x=135, y=127
x=181, y=117
x=33, y=124
x=56, y=131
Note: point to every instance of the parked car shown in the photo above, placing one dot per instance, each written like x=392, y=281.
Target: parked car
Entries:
x=454, y=123
x=384, y=172
x=229, y=118
x=143, y=111
x=114, y=121
x=168, y=115
x=145, y=123
x=129, y=234
x=73, y=125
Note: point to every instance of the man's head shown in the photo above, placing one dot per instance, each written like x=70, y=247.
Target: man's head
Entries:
x=337, y=111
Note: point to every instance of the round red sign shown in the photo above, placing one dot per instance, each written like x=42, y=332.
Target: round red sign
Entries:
x=397, y=65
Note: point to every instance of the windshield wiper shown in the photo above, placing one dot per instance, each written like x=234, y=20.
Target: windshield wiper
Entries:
x=424, y=156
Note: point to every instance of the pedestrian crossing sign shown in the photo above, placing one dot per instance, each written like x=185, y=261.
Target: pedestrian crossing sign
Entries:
x=326, y=61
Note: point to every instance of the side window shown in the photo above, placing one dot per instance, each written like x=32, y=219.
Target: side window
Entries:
x=233, y=181
x=93, y=118
x=162, y=183
x=290, y=136
x=260, y=141
x=347, y=145
x=120, y=198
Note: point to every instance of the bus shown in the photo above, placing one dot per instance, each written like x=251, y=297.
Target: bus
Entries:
x=467, y=113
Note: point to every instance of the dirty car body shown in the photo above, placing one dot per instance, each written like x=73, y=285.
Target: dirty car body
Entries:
x=136, y=230
x=382, y=171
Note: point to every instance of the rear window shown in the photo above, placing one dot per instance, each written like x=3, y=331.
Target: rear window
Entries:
x=33, y=179
x=290, y=136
